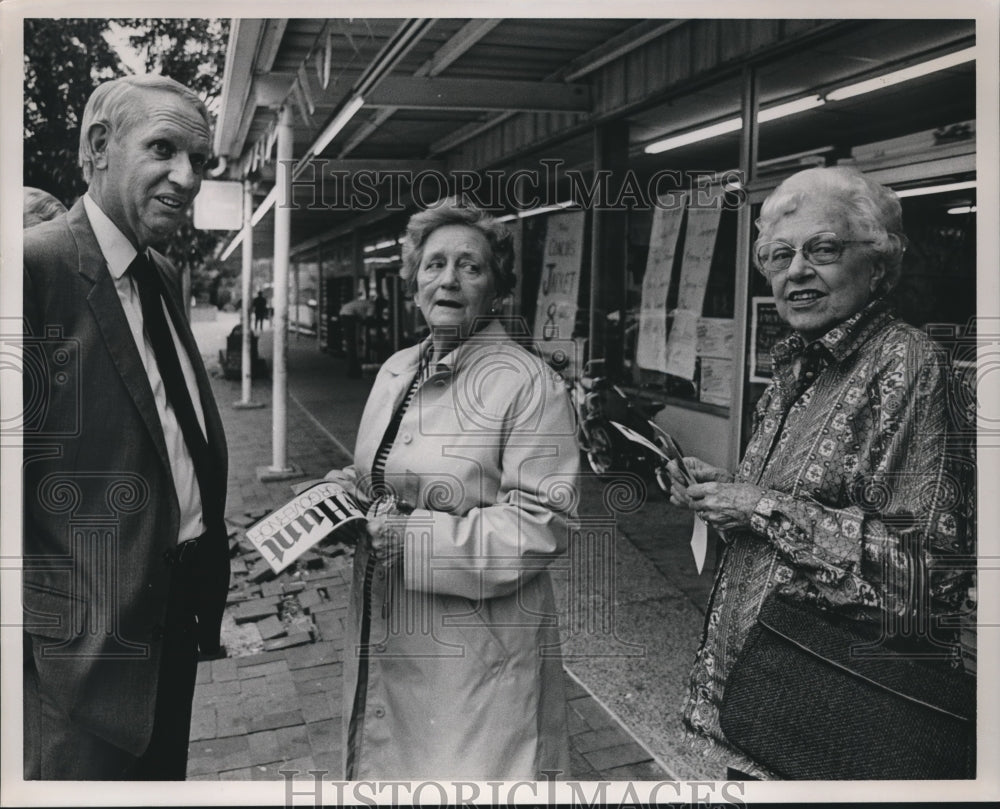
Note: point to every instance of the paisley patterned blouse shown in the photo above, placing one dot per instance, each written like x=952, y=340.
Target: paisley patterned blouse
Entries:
x=868, y=504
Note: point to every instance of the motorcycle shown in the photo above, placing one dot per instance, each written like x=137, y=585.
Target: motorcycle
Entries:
x=616, y=431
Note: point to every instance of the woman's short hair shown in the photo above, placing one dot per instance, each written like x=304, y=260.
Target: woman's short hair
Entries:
x=455, y=211
x=872, y=211
x=40, y=206
x=114, y=105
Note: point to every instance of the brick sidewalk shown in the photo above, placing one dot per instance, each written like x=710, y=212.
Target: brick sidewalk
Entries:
x=275, y=702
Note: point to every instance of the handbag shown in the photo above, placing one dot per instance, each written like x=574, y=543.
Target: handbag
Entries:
x=819, y=698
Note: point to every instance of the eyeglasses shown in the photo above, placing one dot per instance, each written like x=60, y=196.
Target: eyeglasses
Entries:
x=822, y=248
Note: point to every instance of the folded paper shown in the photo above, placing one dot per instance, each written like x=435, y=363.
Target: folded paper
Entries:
x=310, y=517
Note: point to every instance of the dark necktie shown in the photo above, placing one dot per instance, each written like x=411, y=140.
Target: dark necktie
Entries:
x=151, y=295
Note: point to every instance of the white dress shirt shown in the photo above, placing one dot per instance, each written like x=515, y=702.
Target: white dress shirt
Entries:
x=119, y=253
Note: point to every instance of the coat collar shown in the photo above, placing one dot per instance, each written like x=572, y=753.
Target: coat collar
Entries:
x=91, y=264
x=117, y=250
x=406, y=362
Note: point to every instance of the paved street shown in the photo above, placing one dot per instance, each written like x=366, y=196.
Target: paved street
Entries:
x=274, y=703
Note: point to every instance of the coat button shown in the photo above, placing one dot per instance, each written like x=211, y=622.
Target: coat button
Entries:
x=407, y=438
x=379, y=712
x=379, y=647
x=380, y=574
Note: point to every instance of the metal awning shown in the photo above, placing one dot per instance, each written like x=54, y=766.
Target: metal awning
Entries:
x=412, y=95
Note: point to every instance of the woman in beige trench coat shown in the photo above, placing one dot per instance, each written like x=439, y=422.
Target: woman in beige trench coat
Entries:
x=466, y=453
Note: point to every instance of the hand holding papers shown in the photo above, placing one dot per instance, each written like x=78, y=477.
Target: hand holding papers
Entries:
x=311, y=516
x=673, y=453
x=632, y=435
x=669, y=451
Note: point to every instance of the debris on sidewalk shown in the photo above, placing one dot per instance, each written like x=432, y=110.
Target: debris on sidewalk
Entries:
x=281, y=608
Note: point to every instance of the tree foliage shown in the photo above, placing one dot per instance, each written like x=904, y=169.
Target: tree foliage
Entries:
x=65, y=59
x=192, y=51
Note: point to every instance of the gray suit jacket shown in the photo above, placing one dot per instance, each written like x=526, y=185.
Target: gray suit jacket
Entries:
x=101, y=513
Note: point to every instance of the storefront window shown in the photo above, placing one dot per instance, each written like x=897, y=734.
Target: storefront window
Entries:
x=938, y=284
x=386, y=330
x=683, y=348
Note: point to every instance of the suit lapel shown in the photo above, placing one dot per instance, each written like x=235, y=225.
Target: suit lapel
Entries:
x=107, y=308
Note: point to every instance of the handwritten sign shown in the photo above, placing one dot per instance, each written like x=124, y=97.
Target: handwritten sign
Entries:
x=682, y=344
x=288, y=532
x=699, y=247
x=651, y=346
x=716, y=381
x=715, y=337
x=766, y=329
x=555, y=313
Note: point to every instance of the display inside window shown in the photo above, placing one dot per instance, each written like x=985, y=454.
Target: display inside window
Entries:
x=557, y=305
x=679, y=332
x=766, y=329
x=336, y=289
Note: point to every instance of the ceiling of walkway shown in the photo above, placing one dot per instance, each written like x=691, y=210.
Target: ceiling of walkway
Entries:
x=432, y=86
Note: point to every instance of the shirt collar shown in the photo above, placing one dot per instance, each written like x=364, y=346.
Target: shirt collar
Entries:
x=843, y=339
x=117, y=249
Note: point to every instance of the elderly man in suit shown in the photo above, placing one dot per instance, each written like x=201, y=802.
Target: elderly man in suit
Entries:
x=126, y=564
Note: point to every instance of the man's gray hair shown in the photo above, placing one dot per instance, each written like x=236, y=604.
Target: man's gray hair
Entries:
x=114, y=105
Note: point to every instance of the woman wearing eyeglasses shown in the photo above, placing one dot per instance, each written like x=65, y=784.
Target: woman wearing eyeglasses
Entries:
x=838, y=502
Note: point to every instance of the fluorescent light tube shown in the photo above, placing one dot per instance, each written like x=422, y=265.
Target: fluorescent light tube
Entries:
x=706, y=132
x=907, y=73
x=790, y=108
x=734, y=124
x=935, y=189
x=547, y=209
x=338, y=123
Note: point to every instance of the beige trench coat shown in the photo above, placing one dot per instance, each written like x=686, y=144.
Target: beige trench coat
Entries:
x=464, y=678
